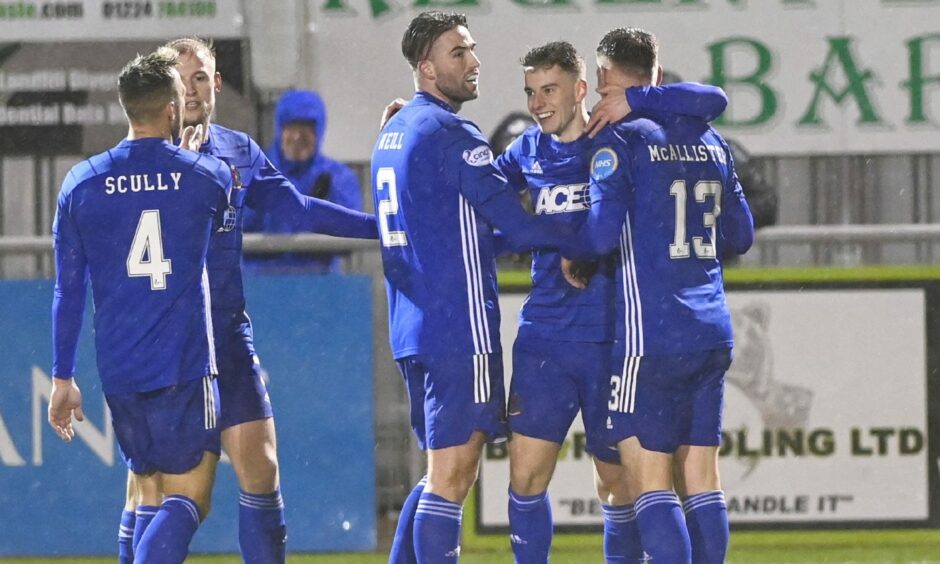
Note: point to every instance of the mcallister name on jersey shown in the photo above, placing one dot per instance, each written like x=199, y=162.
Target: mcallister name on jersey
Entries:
x=689, y=153
x=129, y=183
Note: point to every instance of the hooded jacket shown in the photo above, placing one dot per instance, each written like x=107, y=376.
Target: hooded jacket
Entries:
x=319, y=176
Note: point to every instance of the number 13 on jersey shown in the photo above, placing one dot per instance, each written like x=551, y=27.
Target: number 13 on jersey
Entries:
x=388, y=208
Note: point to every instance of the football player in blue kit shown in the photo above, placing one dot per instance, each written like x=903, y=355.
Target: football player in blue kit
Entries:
x=562, y=352
x=437, y=199
x=136, y=220
x=247, y=423
x=664, y=194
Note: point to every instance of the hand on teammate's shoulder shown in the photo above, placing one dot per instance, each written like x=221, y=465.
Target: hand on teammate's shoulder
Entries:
x=612, y=107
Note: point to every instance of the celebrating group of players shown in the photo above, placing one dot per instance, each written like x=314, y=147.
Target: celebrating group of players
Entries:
x=626, y=320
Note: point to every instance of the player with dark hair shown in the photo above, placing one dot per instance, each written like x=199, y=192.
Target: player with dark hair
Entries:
x=562, y=353
x=437, y=198
x=137, y=221
x=664, y=192
x=248, y=431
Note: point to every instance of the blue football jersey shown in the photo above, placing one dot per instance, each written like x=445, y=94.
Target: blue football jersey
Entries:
x=556, y=177
x=664, y=194
x=437, y=198
x=138, y=218
x=262, y=188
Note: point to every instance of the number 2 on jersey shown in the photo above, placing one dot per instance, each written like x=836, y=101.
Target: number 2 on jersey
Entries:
x=679, y=248
x=385, y=177
x=146, y=255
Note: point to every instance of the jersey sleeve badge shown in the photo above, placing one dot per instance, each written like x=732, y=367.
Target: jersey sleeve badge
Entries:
x=604, y=163
x=481, y=156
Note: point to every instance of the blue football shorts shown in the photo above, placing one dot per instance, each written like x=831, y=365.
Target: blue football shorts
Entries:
x=242, y=389
x=453, y=396
x=167, y=430
x=667, y=401
x=551, y=382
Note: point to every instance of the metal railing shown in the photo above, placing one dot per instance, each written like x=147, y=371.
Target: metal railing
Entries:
x=783, y=245
x=254, y=243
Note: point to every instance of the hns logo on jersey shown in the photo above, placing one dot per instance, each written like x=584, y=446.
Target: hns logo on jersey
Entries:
x=603, y=164
x=481, y=156
x=565, y=198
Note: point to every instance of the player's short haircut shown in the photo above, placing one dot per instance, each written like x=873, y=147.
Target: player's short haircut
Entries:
x=556, y=53
x=424, y=30
x=147, y=84
x=631, y=49
x=194, y=45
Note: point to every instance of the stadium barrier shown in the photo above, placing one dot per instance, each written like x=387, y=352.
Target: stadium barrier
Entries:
x=890, y=443
x=66, y=499
x=828, y=394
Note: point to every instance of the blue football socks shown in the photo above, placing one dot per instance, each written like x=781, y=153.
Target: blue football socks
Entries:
x=437, y=530
x=706, y=516
x=403, y=545
x=166, y=540
x=262, y=530
x=126, y=538
x=621, y=535
x=662, y=527
x=530, y=527
x=142, y=518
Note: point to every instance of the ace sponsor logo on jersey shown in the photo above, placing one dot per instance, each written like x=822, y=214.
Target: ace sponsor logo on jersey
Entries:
x=604, y=163
x=565, y=198
x=481, y=156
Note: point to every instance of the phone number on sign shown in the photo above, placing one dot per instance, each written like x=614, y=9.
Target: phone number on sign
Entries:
x=139, y=10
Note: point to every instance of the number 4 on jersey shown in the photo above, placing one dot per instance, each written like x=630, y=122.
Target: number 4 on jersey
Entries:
x=146, y=255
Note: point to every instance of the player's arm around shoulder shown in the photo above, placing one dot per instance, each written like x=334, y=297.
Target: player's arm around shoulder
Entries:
x=609, y=164
x=735, y=222
x=703, y=101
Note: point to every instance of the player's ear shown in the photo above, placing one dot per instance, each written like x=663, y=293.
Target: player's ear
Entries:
x=170, y=110
x=426, y=69
x=581, y=90
x=658, y=81
x=217, y=82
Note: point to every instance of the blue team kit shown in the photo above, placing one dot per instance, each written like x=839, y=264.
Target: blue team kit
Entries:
x=551, y=382
x=437, y=199
x=162, y=203
x=658, y=182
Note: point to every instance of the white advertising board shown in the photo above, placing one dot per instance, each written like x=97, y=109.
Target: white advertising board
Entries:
x=825, y=415
x=803, y=76
x=112, y=20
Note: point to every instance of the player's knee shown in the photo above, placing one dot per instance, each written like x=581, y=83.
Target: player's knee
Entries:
x=612, y=489
x=453, y=484
x=204, y=504
x=259, y=477
x=527, y=480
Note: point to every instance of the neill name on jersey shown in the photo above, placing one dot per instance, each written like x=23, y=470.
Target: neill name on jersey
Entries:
x=691, y=153
x=140, y=183
x=391, y=140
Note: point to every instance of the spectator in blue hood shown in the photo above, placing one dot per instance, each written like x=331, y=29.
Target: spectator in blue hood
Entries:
x=299, y=126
